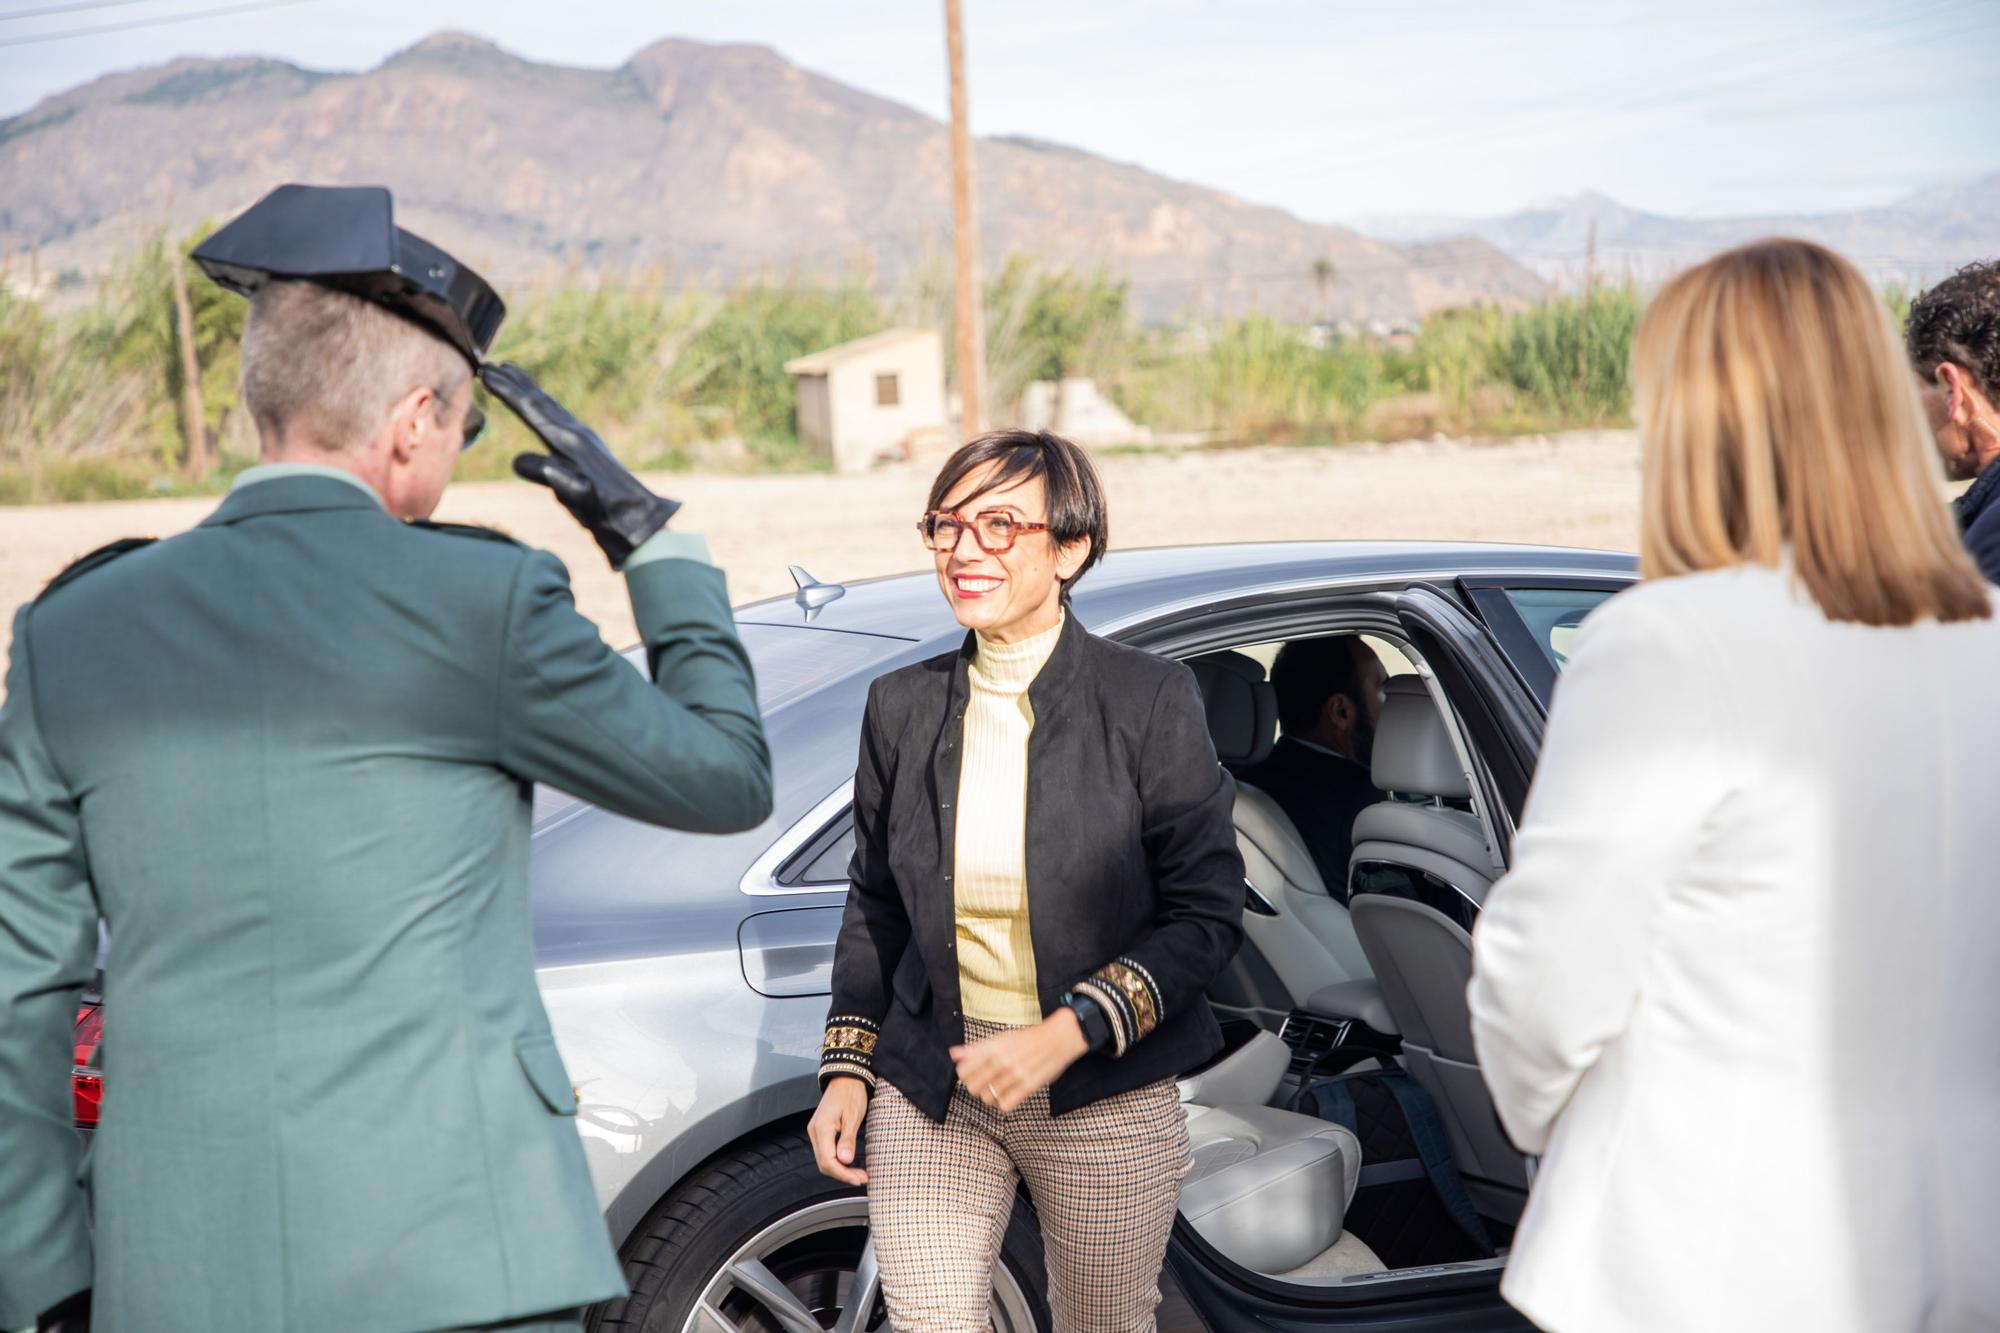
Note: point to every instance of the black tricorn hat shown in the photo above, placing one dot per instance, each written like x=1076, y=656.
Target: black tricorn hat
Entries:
x=346, y=237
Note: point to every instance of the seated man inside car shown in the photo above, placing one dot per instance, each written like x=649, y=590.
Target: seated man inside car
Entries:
x=1329, y=699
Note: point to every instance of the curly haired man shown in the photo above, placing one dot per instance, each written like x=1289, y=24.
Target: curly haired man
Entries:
x=1953, y=338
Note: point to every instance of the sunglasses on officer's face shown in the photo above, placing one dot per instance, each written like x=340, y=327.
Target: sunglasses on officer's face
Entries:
x=475, y=426
x=475, y=418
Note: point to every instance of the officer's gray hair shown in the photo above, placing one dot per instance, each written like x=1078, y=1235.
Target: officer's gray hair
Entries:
x=324, y=368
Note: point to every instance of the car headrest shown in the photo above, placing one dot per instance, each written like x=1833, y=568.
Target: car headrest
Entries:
x=1413, y=752
x=1242, y=707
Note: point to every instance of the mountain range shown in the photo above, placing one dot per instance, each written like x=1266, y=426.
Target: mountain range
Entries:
x=1914, y=240
x=708, y=162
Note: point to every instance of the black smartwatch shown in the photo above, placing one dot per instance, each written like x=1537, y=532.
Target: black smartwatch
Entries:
x=1090, y=1015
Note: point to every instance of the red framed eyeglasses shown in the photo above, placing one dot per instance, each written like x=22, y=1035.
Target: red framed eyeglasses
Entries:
x=995, y=530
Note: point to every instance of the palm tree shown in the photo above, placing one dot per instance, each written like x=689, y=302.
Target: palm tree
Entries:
x=1323, y=275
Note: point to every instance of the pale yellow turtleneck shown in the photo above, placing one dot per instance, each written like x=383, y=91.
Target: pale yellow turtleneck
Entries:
x=996, y=956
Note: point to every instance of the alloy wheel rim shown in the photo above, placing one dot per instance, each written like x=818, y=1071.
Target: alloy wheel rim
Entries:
x=766, y=1284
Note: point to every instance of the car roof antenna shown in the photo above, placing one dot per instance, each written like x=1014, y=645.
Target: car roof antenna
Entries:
x=812, y=594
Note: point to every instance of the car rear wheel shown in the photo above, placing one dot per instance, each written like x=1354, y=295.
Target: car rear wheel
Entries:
x=759, y=1241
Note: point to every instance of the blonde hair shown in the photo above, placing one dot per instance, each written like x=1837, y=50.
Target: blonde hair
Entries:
x=1776, y=412
x=329, y=367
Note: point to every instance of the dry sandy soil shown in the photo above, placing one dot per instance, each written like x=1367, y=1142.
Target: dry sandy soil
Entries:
x=1578, y=489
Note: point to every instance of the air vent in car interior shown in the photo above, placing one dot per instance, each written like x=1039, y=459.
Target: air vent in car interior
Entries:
x=1309, y=1037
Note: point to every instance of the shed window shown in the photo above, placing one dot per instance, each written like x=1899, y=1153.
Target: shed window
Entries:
x=887, y=393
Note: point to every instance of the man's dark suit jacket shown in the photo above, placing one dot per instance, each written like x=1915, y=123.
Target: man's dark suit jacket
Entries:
x=1979, y=520
x=1322, y=792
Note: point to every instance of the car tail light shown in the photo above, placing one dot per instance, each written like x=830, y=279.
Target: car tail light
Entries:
x=86, y=1084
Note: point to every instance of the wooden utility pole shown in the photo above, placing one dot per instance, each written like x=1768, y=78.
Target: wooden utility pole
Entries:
x=192, y=426
x=964, y=237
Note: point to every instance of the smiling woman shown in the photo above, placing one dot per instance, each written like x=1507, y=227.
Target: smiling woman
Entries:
x=1002, y=488
x=1034, y=916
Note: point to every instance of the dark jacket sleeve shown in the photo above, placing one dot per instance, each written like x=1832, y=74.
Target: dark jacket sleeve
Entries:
x=874, y=928
x=48, y=938
x=1187, y=803
x=1982, y=539
x=686, y=750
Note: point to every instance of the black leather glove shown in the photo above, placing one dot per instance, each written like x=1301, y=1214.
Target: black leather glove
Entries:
x=68, y=1316
x=587, y=477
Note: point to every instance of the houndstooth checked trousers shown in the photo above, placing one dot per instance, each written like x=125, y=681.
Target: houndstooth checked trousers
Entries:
x=1105, y=1180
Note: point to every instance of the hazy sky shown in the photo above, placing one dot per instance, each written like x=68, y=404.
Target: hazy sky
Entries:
x=1326, y=108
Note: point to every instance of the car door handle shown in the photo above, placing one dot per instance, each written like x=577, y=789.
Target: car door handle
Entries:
x=1257, y=902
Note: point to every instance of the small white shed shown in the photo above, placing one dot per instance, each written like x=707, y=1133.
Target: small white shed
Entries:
x=1076, y=409
x=879, y=396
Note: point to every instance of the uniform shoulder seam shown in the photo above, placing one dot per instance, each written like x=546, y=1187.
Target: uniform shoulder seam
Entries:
x=473, y=530
x=96, y=559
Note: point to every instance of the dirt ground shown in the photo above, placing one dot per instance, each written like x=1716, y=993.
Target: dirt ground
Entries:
x=1576, y=489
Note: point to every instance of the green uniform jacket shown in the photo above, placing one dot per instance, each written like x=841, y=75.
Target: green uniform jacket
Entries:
x=287, y=756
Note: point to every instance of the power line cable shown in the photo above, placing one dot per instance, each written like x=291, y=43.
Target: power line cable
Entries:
x=103, y=29
x=42, y=11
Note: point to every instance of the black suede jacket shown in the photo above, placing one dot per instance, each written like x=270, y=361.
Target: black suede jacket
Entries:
x=1135, y=883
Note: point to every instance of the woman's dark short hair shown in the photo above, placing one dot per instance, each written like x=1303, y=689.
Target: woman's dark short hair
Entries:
x=1075, y=496
x=1959, y=321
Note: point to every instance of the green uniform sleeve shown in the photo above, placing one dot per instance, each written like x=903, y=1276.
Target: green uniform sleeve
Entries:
x=664, y=545
x=48, y=935
x=686, y=750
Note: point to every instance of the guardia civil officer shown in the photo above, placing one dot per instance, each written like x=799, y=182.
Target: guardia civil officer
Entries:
x=287, y=757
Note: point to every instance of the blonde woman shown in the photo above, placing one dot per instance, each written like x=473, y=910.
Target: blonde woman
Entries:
x=1742, y=988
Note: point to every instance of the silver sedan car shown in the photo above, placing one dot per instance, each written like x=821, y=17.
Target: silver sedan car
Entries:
x=687, y=975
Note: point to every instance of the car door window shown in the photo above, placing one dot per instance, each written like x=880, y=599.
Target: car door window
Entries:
x=1552, y=616
x=825, y=860
x=1535, y=626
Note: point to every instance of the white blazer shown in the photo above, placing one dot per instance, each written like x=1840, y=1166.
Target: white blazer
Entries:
x=1742, y=987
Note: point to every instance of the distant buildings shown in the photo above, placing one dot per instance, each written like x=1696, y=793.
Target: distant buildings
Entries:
x=1075, y=408
x=1401, y=335
x=876, y=397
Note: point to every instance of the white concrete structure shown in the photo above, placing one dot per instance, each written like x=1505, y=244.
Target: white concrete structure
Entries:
x=1077, y=410
x=876, y=397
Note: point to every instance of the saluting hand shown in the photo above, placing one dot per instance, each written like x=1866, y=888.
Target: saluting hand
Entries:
x=1008, y=1068
x=586, y=476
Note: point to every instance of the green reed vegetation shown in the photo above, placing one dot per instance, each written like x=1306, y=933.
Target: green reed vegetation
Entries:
x=675, y=376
